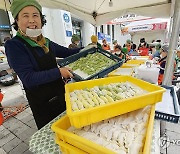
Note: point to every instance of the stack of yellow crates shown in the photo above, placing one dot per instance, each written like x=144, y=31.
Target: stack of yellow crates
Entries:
x=72, y=143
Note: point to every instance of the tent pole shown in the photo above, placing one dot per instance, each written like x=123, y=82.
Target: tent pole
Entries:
x=172, y=45
x=171, y=20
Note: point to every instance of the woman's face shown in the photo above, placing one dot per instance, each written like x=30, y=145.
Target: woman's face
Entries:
x=29, y=17
x=76, y=42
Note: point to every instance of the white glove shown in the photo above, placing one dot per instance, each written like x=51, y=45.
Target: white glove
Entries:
x=88, y=47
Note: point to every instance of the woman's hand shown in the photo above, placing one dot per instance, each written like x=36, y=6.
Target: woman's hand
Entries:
x=65, y=72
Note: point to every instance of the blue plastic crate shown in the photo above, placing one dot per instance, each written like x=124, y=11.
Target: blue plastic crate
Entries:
x=100, y=74
x=170, y=117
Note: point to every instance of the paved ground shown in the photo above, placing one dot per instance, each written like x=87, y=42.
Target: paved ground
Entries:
x=16, y=131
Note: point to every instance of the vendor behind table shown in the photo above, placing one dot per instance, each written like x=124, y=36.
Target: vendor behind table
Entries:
x=33, y=58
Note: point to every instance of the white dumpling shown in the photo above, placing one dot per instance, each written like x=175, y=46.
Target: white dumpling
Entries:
x=139, y=127
x=128, y=120
x=131, y=126
x=74, y=106
x=121, y=151
x=121, y=139
x=110, y=134
x=115, y=135
x=104, y=132
x=112, y=121
x=94, y=127
x=99, y=127
x=129, y=139
x=135, y=148
x=139, y=139
x=87, y=128
x=145, y=117
x=121, y=119
x=100, y=141
x=112, y=146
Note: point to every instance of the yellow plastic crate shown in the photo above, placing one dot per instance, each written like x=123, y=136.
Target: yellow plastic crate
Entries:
x=126, y=65
x=121, y=71
x=60, y=128
x=92, y=115
x=68, y=148
x=139, y=62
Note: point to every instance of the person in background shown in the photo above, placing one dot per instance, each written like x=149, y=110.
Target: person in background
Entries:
x=155, y=51
x=2, y=48
x=152, y=45
x=75, y=41
x=162, y=62
x=133, y=46
x=116, y=46
x=159, y=41
x=124, y=54
x=177, y=59
x=105, y=46
x=142, y=42
x=128, y=45
x=153, y=41
x=143, y=50
x=156, y=54
x=33, y=58
x=94, y=41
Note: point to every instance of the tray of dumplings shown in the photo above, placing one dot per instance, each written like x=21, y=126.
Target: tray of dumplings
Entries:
x=95, y=100
x=122, y=71
x=130, y=133
x=91, y=63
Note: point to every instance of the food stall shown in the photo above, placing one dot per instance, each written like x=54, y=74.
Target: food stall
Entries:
x=63, y=138
x=61, y=124
x=43, y=140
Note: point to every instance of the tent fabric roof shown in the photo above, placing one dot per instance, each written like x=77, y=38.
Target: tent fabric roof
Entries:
x=103, y=12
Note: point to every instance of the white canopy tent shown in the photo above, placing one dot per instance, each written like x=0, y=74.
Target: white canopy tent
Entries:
x=98, y=12
x=145, y=22
x=150, y=29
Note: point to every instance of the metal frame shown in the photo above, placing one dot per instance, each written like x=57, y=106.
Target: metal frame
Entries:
x=172, y=45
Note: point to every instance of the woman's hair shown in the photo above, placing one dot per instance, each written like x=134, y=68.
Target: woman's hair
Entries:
x=43, y=21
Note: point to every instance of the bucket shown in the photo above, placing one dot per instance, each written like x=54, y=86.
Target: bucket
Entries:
x=149, y=74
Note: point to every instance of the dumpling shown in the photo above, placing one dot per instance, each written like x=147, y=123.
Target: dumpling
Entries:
x=135, y=148
x=129, y=139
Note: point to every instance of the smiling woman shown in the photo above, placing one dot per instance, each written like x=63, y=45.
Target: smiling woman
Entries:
x=33, y=58
x=29, y=21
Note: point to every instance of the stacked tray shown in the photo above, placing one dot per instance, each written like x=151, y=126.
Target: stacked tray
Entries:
x=95, y=114
x=89, y=63
x=88, y=116
x=122, y=71
x=72, y=143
